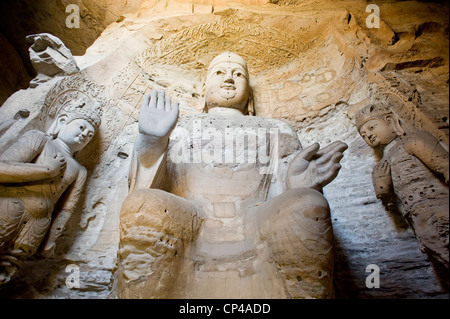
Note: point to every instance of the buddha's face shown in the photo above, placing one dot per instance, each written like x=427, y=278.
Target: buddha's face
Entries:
x=227, y=85
x=377, y=133
x=76, y=134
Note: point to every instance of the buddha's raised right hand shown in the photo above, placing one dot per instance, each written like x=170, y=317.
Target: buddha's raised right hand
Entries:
x=157, y=119
x=158, y=115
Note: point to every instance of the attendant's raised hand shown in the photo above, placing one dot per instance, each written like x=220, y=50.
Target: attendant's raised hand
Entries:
x=382, y=180
x=56, y=165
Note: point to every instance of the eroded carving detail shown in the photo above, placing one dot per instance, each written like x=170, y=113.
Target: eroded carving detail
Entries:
x=71, y=88
x=49, y=57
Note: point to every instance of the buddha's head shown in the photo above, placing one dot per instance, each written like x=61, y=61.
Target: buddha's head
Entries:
x=227, y=84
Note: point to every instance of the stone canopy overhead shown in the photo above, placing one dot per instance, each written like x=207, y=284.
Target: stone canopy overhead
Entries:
x=261, y=46
x=295, y=74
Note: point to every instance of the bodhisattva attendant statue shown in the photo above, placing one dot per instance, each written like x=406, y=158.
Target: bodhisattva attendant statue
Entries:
x=35, y=173
x=411, y=176
x=218, y=222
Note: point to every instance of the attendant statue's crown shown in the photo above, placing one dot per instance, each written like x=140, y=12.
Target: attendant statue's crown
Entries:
x=370, y=112
x=87, y=109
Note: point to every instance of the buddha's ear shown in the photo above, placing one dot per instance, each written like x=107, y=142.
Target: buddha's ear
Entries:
x=205, y=108
x=250, y=103
x=57, y=124
x=203, y=89
x=394, y=122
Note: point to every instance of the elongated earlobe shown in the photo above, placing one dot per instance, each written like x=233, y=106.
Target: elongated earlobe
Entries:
x=203, y=89
x=57, y=124
x=394, y=122
x=250, y=103
x=205, y=106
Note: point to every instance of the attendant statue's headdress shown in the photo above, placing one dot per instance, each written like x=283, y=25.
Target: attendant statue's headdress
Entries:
x=89, y=110
x=370, y=112
x=376, y=111
x=81, y=108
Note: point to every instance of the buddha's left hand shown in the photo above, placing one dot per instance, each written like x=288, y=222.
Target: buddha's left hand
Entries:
x=314, y=167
